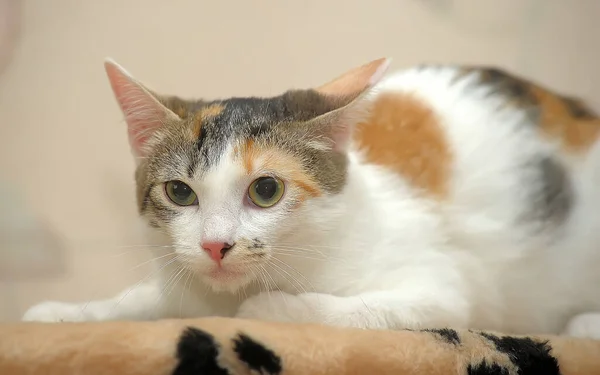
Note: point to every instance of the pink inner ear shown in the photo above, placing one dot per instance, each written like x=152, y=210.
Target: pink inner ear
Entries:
x=144, y=114
x=339, y=124
x=354, y=82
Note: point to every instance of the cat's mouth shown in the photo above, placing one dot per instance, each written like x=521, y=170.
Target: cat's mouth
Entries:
x=226, y=278
x=222, y=277
x=220, y=273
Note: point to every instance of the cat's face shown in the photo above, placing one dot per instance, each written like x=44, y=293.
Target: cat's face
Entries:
x=225, y=182
x=229, y=180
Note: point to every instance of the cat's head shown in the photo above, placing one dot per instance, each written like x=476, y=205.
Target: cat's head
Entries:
x=229, y=179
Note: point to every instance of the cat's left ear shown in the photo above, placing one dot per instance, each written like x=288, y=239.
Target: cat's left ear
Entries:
x=144, y=113
x=346, y=91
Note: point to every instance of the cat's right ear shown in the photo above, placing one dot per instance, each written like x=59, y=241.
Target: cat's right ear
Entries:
x=143, y=112
x=347, y=91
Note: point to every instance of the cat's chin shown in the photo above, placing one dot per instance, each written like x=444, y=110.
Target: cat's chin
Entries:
x=226, y=280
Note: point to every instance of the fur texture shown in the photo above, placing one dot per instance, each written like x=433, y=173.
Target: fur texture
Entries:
x=436, y=196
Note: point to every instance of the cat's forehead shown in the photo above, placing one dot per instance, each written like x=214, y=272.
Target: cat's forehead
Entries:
x=211, y=128
x=250, y=116
x=217, y=125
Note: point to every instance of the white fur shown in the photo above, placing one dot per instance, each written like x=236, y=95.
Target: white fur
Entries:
x=378, y=255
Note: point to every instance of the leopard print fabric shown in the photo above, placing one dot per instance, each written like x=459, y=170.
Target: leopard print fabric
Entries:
x=219, y=346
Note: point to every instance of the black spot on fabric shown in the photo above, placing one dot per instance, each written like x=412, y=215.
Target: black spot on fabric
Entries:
x=197, y=354
x=256, y=356
x=487, y=369
x=531, y=357
x=446, y=334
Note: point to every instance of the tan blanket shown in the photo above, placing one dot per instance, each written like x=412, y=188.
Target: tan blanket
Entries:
x=219, y=346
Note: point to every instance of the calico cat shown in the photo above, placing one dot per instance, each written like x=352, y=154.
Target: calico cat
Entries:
x=434, y=196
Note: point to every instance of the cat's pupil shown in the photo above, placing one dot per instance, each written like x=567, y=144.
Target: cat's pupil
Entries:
x=181, y=190
x=266, y=188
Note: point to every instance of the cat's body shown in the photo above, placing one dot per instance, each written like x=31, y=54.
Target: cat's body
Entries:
x=443, y=196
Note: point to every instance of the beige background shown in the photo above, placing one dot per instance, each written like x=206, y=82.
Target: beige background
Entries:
x=63, y=149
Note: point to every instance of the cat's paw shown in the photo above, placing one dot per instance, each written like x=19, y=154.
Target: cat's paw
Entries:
x=276, y=306
x=584, y=326
x=54, y=312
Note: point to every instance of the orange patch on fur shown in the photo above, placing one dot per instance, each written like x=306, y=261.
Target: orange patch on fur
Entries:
x=212, y=110
x=405, y=136
x=248, y=154
x=557, y=122
x=181, y=112
x=309, y=188
x=203, y=114
x=257, y=158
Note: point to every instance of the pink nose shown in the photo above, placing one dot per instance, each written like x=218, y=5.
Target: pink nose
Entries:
x=216, y=250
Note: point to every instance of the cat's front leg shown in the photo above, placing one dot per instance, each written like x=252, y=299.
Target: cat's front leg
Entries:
x=586, y=325
x=394, y=309
x=141, y=302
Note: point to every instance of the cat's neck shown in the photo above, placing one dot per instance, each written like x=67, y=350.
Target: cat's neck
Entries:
x=334, y=220
x=375, y=207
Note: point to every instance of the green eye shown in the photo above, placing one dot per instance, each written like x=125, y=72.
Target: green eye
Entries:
x=265, y=192
x=180, y=193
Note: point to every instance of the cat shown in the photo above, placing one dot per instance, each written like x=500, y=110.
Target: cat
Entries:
x=434, y=196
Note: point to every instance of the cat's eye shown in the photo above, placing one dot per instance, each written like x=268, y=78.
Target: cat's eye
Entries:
x=180, y=193
x=265, y=192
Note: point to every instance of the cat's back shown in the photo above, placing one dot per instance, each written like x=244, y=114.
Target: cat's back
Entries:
x=432, y=124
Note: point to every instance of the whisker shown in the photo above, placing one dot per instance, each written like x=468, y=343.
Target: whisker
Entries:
x=272, y=280
x=184, y=289
x=263, y=278
x=245, y=291
x=305, y=250
x=152, y=260
x=287, y=276
x=296, y=271
x=267, y=288
x=138, y=248
x=295, y=255
x=143, y=245
x=136, y=285
x=311, y=246
x=177, y=280
x=275, y=284
x=171, y=281
x=252, y=267
x=324, y=246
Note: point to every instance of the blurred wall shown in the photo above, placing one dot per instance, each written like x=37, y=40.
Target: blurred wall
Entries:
x=63, y=147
